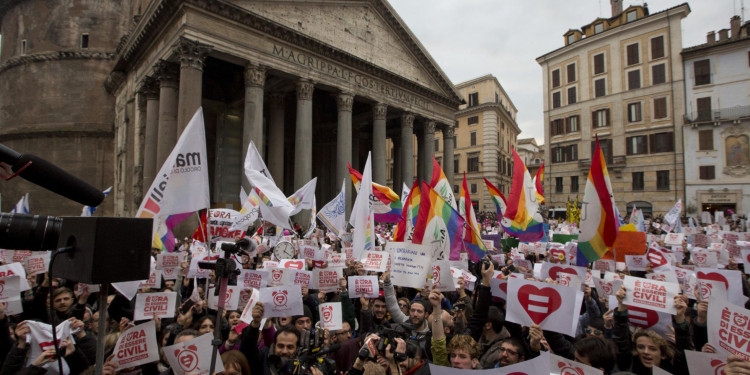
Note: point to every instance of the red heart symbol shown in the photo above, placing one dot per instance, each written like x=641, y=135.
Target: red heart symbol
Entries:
x=504, y=287
x=656, y=259
x=643, y=318
x=718, y=366
x=539, y=303
x=318, y=263
x=553, y=271
x=297, y=264
x=713, y=276
x=556, y=252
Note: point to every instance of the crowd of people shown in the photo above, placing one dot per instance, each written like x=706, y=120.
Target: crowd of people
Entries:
x=401, y=331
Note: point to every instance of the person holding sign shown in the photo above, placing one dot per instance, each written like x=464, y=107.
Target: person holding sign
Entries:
x=647, y=349
x=463, y=351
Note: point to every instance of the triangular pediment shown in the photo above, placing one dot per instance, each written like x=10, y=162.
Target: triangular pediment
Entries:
x=367, y=29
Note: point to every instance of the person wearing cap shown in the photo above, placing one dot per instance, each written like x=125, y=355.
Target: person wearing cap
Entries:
x=303, y=321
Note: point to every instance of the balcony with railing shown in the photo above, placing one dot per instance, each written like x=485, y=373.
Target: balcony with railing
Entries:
x=723, y=114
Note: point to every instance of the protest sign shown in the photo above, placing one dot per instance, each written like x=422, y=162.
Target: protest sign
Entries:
x=657, y=259
x=10, y=295
x=704, y=258
x=607, y=288
x=732, y=279
x=667, y=276
x=336, y=260
x=553, y=307
x=551, y=270
x=39, y=339
x=375, y=261
x=281, y=301
x=308, y=252
x=194, y=271
x=15, y=269
x=563, y=366
x=535, y=366
x=570, y=280
x=628, y=243
x=151, y=305
x=37, y=263
x=137, y=346
x=363, y=286
x=169, y=264
x=636, y=262
x=605, y=265
x=442, y=278
x=650, y=294
x=674, y=238
x=128, y=289
x=298, y=277
x=327, y=279
x=153, y=281
x=499, y=286
x=247, y=312
x=657, y=321
x=700, y=363
x=746, y=260
x=330, y=315
x=231, y=298
x=268, y=264
x=713, y=291
x=297, y=264
x=410, y=264
x=276, y=276
x=193, y=356
x=728, y=329
x=252, y=279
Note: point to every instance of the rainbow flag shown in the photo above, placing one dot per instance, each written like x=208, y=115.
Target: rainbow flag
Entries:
x=405, y=227
x=599, y=224
x=472, y=239
x=438, y=222
x=388, y=206
x=522, y=213
x=441, y=184
x=538, y=184
x=498, y=198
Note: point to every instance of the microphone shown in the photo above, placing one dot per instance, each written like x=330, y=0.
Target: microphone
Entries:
x=51, y=177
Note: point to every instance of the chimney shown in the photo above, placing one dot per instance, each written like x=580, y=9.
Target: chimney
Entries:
x=616, y=7
x=723, y=34
x=734, y=23
x=711, y=37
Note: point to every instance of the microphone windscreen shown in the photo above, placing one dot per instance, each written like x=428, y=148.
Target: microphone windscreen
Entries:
x=53, y=178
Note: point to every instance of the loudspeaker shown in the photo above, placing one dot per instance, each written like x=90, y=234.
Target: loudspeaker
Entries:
x=106, y=249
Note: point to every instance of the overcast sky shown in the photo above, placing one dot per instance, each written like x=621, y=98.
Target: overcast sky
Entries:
x=471, y=38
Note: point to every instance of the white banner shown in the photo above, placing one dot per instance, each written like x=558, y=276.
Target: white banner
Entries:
x=553, y=307
x=150, y=305
x=410, y=264
x=137, y=346
x=650, y=294
x=193, y=357
x=281, y=301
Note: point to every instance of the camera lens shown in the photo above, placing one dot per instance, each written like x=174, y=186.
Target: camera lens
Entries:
x=29, y=232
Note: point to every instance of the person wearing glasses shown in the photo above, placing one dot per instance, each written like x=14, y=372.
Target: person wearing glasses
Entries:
x=512, y=350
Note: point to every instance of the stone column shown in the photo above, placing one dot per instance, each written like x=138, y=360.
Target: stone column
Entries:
x=344, y=102
x=429, y=148
x=192, y=54
x=252, y=126
x=303, y=134
x=275, y=160
x=420, y=157
x=379, y=112
x=397, y=164
x=407, y=148
x=149, y=89
x=448, y=144
x=166, y=74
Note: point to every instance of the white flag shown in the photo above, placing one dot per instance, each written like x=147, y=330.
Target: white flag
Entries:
x=274, y=205
x=22, y=207
x=333, y=214
x=313, y=214
x=181, y=186
x=88, y=210
x=363, y=215
x=303, y=198
x=253, y=161
x=673, y=215
x=404, y=193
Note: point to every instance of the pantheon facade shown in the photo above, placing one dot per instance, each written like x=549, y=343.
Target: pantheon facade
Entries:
x=314, y=84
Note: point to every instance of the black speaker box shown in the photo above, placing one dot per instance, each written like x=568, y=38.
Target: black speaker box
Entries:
x=107, y=249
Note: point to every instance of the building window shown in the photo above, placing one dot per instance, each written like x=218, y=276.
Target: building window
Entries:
x=473, y=188
x=599, y=27
x=662, y=180
x=472, y=163
x=455, y=165
x=558, y=184
x=573, y=184
x=571, y=124
x=706, y=140
x=557, y=127
x=571, y=68
x=634, y=112
x=572, y=95
x=702, y=72
x=661, y=142
x=473, y=99
x=437, y=145
x=556, y=78
x=631, y=16
x=564, y=154
x=499, y=165
x=473, y=139
x=704, y=108
x=23, y=47
x=571, y=38
x=600, y=87
x=638, y=181
x=634, y=79
x=473, y=120
x=606, y=146
x=455, y=189
x=599, y=63
x=600, y=118
x=497, y=98
x=502, y=125
x=637, y=145
x=706, y=172
x=657, y=47
x=84, y=40
x=660, y=108
x=556, y=102
x=633, y=55
x=658, y=74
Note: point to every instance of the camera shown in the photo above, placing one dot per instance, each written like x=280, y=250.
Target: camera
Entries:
x=304, y=363
x=387, y=336
x=482, y=263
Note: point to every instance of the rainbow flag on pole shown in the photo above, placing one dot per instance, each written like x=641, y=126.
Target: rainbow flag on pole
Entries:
x=439, y=223
x=599, y=221
x=441, y=184
x=498, y=198
x=538, y=184
x=472, y=239
x=522, y=214
x=388, y=206
x=409, y=213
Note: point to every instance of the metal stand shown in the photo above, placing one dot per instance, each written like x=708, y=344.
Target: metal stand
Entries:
x=224, y=268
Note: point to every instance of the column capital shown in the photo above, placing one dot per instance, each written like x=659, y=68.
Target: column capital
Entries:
x=379, y=111
x=407, y=120
x=255, y=75
x=345, y=101
x=192, y=53
x=149, y=87
x=429, y=126
x=449, y=131
x=305, y=89
x=166, y=73
x=276, y=100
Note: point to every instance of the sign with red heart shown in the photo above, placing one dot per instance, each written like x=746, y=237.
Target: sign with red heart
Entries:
x=552, y=307
x=732, y=279
x=564, y=366
x=551, y=270
x=705, y=363
x=650, y=294
x=330, y=315
x=297, y=264
x=728, y=328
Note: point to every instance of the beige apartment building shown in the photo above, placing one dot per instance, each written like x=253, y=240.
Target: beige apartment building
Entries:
x=621, y=79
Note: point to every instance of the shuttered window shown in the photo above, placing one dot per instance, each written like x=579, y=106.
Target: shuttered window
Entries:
x=571, y=73
x=634, y=79
x=658, y=74
x=660, y=108
x=661, y=142
x=702, y=71
x=633, y=55
x=704, y=108
x=599, y=63
x=556, y=78
x=657, y=47
x=706, y=140
x=707, y=172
